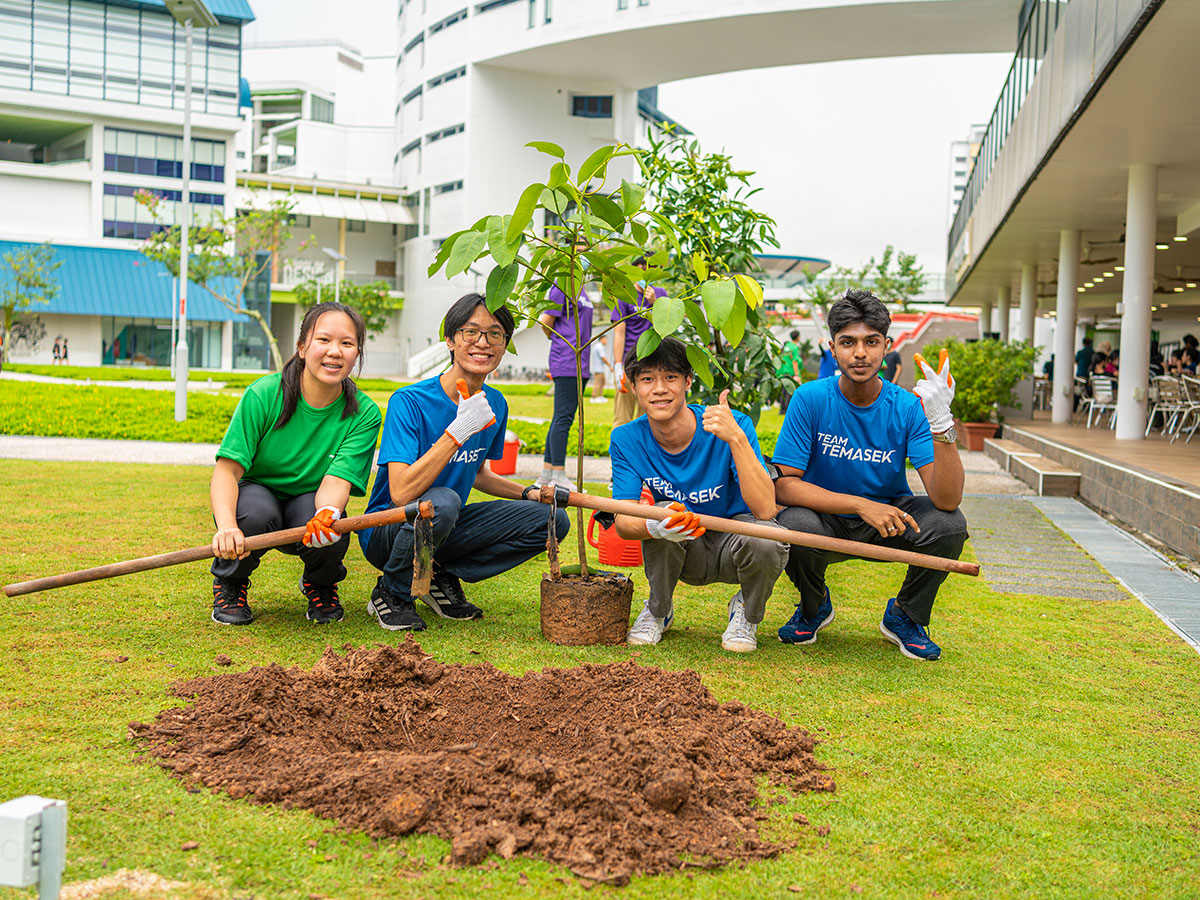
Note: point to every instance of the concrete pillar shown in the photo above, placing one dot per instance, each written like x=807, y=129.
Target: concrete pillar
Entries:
x=1141, y=226
x=1028, y=301
x=227, y=346
x=1069, y=245
x=1003, y=293
x=985, y=318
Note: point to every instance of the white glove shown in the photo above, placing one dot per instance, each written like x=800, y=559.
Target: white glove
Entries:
x=683, y=526
x=936, y=391
x=318, y=532
x=619, y=377
x=474, y=414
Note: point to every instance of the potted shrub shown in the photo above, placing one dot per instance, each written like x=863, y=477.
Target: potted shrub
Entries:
x=592, y=233
x=985, y=373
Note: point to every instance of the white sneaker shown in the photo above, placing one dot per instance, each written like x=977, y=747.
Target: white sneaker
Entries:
x=563, y=480
x=647, y=628
x=740, y=636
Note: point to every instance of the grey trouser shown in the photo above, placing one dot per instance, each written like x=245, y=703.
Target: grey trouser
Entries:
x=942, y=534
x=715, y=557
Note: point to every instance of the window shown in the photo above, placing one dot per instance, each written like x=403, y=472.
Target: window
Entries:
x=447, y=76
x=124, y=217
x=452, y=19
x=409, y=148
x=445, y=133
x=622, y=4
x=448, y=187
x=492, y=4
x=413, y=94
x=322, y=109
x=356, y=225
x=419, y=39
x=161, y=155
x=599, y=107
x=301, y=221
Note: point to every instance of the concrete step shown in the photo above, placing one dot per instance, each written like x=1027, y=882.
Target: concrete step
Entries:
x=1048, y=478
x=1003, y=451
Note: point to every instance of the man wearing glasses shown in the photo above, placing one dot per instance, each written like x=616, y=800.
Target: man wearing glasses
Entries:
x=437, y=436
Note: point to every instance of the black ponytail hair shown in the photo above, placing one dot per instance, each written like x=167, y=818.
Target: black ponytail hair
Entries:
x=292, y=369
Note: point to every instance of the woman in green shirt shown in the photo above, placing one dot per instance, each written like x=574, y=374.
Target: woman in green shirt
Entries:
x=300, y=443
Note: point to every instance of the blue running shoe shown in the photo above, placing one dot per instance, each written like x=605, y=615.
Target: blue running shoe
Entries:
x=912, y=639
x=800, y=630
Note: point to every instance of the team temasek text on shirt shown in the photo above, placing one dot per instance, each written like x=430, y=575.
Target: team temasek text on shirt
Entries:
x=838, y=446
x=668, y=490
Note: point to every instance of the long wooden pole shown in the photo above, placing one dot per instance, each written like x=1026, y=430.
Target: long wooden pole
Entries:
x=783, y=535
x=194, y=554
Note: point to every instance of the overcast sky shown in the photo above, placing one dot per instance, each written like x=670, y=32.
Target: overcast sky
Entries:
x=851, y=156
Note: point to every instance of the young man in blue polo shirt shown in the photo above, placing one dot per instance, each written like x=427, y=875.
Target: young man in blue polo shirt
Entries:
x=435, y=445
x=841, y=457
x=697, y=460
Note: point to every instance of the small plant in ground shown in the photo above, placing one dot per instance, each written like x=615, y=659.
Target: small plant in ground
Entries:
x=592, y=229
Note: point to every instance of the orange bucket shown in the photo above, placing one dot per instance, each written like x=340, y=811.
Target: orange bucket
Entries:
x=508, y=464
x=614, y=549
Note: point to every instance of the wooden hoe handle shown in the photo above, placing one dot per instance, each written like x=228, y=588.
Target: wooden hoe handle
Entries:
x=194, y=554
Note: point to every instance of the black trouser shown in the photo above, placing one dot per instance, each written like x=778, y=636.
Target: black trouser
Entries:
x=942, y=534
x=566, y=402
x=260, y=511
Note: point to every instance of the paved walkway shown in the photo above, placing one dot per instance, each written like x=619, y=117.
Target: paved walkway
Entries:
x=134, y=383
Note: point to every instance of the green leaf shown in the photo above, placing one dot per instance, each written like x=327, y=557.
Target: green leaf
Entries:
x=696, y=316
x=559, y=174
x=595, y=163
x=752, y=291
x=699, y=266
x=735, y=327
x=607, y=210
x=524, y=213
x=719, y=297
x=466, y=249
x=631, y=197
x=503, y=251
x=648, y=343
x=640, y=233
x=547, y=147
x=555, y=201
x=500, y=285
x=443, y=253
x=667, y=315
x=699, y=360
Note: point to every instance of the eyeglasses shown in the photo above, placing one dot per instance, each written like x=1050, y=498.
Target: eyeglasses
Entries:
x=494, y=338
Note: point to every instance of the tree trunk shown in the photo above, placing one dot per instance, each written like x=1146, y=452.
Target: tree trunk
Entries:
x=276, y=359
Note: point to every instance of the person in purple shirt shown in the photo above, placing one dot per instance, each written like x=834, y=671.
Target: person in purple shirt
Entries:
x=565, y=330
x=625, y=338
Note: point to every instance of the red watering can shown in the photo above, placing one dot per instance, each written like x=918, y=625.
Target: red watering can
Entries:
x=614, y=549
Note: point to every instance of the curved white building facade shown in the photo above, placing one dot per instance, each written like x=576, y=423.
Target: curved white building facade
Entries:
x=476, y=80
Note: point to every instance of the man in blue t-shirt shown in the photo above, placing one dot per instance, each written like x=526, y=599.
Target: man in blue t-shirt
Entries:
x=695, y=460
x=437, y=436
x=841, y=458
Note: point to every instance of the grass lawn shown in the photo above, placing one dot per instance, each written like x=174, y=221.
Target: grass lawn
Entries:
x=1051, y=753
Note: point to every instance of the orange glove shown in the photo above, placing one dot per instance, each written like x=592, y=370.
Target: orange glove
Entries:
x=319, y=532
x=682, y=526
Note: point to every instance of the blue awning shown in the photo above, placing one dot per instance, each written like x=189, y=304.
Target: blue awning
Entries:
x=236, y=12
x=109, y=281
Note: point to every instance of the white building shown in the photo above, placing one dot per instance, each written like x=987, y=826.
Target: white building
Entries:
x=91, y=109
x=962, y=159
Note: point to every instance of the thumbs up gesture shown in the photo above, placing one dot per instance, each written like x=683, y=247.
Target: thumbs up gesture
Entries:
x=936, y=391
x=474, y=414
x=718, y=420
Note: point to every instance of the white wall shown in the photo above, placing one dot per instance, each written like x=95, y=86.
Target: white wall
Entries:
x=41, y=209
x=82, y=334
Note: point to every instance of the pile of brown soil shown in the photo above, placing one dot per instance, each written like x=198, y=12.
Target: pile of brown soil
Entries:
x=609, y=770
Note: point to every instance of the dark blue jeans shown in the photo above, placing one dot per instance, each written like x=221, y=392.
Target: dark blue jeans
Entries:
x=474, y=542
x=260, y=511
x=566, y=403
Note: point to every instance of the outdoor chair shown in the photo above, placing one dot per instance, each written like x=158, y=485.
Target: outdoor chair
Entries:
x=1171, y=401
x=1103, y=400
x=1189, y=418
x=1083, y=396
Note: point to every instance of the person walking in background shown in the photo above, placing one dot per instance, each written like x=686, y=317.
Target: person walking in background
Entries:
x=1083, y=359
x=892, y=367
x=560, y=326
x=601, y=366
x=65, y=352
x=57, y=350
x=625, y=338
x=791, y=364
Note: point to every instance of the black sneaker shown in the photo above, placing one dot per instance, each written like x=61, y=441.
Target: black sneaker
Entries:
x=229, y=601
x=323, y=605
x=446, y=598
x=393, y=612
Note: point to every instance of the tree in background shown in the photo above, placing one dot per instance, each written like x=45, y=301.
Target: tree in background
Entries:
x=715, y=233
x=226, y=256
x=372, y=300
x=28, y=279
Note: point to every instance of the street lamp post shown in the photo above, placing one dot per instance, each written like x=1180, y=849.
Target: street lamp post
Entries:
x=337, y=271
x=190, y=14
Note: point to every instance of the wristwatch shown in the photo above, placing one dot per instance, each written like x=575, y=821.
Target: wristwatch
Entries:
x=528, y=488
x=949, y=436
